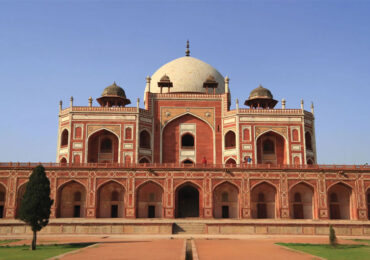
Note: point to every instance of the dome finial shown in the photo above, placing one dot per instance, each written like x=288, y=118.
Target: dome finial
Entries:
x=187, y=52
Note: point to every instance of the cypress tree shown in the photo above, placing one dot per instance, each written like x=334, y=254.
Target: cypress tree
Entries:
x=36, y=202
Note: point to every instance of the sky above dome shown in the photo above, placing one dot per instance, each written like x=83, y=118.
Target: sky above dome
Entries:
x=312, y=50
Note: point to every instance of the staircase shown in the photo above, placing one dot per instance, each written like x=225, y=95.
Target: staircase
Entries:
x=188, y=228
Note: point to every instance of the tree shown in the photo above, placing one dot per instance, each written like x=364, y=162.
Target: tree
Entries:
x=36, y=202
x=332, y=236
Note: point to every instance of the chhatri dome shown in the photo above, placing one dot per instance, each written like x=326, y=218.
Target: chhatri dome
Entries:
x=113, y=96
x=187, y=75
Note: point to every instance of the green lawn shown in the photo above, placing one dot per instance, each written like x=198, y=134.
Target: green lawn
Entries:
x=41, y=252
x=339, y=252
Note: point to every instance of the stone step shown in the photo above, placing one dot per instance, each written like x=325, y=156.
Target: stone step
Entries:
x=188, y=228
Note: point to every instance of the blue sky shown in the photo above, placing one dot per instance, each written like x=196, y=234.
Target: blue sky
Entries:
x=313, y=50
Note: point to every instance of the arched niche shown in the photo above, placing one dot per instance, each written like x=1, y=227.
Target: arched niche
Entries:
x=271, y=149
x=144, y=139
x=230, y=140
x=103, y=147
x=64, y=138
x=225, y=201
x=149, y=200
x=263, y=197
x=71, y=200
x=301, y=197
x=339, y=201
x=230, y=162
x=187, y=141
x=111, y=200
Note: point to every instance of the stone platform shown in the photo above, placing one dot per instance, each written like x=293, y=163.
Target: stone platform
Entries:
x=109, y=226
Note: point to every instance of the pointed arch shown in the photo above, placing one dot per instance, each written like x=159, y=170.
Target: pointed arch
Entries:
x=110, y=199
x=264, y=181
x=303, y=182
x=263, y=200
x=230, y=161
x=145, y=139
x=108, y=181
x=272, y=147
x=67, y=206
x=340, y=200
x=184, y=114
x=64, y=138
x=230, y=139
x=302, y=200
x=149, y=200
x=170, y=139
x=340, y=182
x=94, y=145
x=226, y=200
x=229, y=182
x=187, y=200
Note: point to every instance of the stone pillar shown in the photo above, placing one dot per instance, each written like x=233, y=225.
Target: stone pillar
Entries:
x=246, y=198
x=91, y=196
x=322, y=208
x=130, y=205
x=169, y=207
x=284, y=205
x=207, y=197
x=11, y=196
x=361, y=199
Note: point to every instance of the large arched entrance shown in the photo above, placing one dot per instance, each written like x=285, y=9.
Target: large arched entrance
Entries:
x=187, y=201
x=271, y=149
x=103, y=147
x=263, y=201
x=300, y=198
x=111, y=200
x=368, y=203
x=187, y=137
x=149, y=200
x=71, y=198
x=339, y=201
x=225, y=200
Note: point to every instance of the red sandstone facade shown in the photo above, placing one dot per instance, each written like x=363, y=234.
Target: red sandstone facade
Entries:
x=187, y=154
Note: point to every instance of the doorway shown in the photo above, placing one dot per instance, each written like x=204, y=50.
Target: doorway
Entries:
x=151, y=211
x=225, y=211
x=77, y=211
x=187, y=202
x=114, y=211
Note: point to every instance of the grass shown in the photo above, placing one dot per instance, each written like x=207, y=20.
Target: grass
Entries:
x=353, y=252
x=6, y=241
x=41, y=252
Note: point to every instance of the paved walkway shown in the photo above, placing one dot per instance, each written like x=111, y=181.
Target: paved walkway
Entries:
x=132, y=250
x=245, y=249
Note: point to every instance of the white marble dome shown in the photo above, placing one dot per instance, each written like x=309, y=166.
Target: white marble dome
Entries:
x=187, y=74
